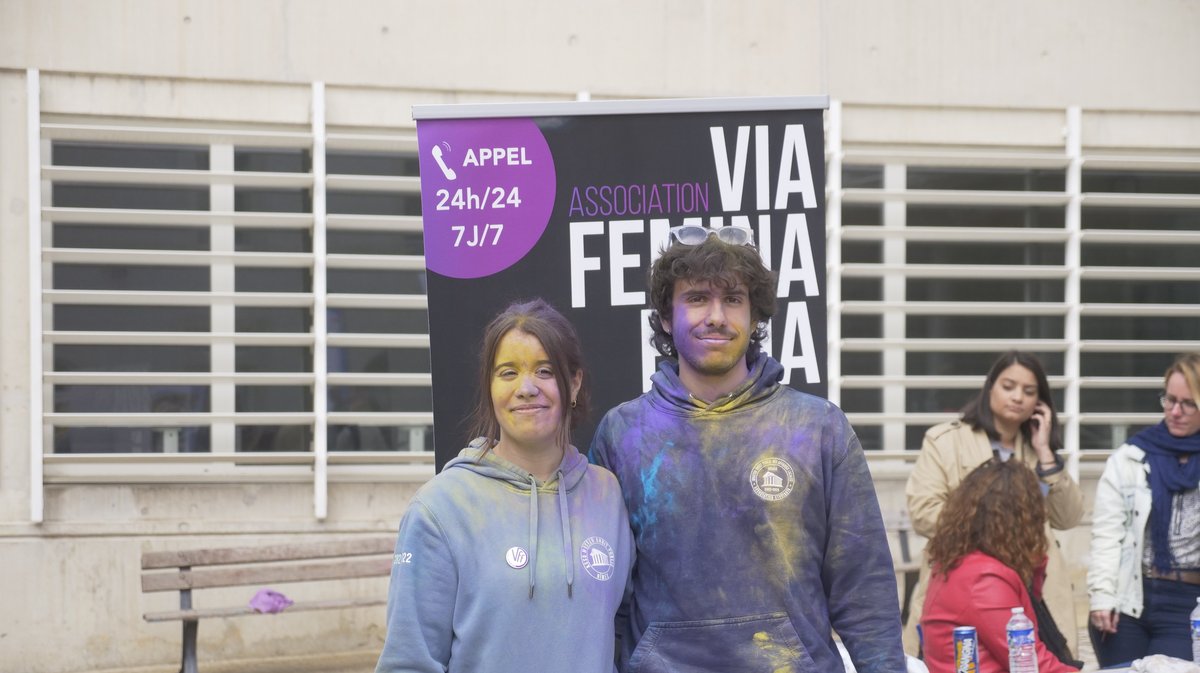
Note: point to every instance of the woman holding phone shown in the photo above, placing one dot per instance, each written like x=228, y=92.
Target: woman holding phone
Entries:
x=1012, y=418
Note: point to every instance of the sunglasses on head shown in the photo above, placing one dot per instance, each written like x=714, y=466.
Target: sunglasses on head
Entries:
x=694, y=234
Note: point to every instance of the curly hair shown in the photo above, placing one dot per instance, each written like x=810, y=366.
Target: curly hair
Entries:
x=539, y=319
x=978, y=412
x=724, y=266
x=999, y=510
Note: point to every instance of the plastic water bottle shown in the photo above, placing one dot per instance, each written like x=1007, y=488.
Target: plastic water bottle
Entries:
x=1022, y=643
x=1196, y=633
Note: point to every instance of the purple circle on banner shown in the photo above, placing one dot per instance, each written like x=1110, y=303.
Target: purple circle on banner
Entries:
x=487, y=190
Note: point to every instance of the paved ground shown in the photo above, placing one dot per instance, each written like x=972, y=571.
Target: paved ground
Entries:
x=340, y=662
x=1085, y=651
x=364, y=662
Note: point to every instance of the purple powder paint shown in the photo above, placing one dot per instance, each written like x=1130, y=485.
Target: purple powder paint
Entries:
x=487, y=191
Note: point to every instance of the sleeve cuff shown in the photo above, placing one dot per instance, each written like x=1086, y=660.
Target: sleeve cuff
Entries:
x=1058, y=467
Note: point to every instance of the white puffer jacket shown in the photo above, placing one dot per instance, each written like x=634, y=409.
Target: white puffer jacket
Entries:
x=1119, y=518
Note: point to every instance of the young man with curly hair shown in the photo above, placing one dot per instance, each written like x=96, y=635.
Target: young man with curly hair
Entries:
x=757, y=526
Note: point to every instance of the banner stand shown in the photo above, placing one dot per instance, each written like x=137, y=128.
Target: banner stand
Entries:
x=571, y=202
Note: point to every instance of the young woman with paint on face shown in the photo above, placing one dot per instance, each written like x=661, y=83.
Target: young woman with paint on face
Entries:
x=988, y=556
x=1144, y=575
x=516, y=556
x=1011, y=418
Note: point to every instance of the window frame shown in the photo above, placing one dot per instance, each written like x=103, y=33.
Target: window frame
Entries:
x=1113, y=149
x=223, y=464
x=1072, y=156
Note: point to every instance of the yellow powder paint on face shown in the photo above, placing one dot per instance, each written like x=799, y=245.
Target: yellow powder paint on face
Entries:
x=780, y=654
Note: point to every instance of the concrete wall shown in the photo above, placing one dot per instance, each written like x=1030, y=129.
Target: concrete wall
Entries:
x=72, y=584
x=1094, y=53
x=71, y=589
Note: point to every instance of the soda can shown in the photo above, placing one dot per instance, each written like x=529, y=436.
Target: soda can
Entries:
x=966, y=650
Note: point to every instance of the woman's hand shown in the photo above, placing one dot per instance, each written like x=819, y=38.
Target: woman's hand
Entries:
x=1105, y=621
x=1039, y=423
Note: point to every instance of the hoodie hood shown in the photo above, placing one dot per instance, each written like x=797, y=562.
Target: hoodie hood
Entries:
x=669, y=394
x=478, y=458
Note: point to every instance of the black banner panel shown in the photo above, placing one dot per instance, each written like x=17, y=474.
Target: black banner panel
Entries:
x=573, y=205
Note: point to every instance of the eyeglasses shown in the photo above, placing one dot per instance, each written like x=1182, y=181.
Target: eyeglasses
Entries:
x=694, y=234
x=1188, y=407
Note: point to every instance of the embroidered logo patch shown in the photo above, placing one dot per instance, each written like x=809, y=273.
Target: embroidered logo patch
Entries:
x=772, y=479
x=516, y=557
x=598, y=558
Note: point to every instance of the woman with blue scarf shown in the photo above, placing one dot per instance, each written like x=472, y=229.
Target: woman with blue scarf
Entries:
x=1144, y=576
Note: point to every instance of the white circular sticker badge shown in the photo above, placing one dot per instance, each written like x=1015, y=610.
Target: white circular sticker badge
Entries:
x=516, y=557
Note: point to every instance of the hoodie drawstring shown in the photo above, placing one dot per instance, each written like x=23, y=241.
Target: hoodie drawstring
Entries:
x=566, y=531
x=533, y=531
x=480, y=458
x=565, y=515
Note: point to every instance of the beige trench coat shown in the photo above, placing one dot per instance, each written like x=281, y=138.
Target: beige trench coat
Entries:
x=950, y=451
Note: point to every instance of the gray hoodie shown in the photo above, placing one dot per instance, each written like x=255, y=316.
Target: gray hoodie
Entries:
x=496, y=572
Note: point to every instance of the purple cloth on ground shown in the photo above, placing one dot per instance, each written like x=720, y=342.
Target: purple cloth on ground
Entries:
x=267, y=600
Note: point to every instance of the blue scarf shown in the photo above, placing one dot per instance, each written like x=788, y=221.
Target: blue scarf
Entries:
x=1167, y=477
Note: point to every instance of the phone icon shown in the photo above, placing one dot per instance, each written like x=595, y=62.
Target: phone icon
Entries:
x=437, y=156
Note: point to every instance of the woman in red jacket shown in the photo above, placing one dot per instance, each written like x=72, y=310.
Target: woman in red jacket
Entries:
x=988, y=557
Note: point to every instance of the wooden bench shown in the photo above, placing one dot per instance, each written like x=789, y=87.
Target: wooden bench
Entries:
x=907, y=570
x=262, y=566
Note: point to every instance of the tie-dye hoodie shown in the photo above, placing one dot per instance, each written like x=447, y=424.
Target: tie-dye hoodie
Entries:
x=493, y=575
x=757, y=530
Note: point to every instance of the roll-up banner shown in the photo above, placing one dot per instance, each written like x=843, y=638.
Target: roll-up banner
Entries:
x=571, y=202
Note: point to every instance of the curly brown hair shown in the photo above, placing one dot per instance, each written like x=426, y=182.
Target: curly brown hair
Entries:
x=999, y=510
x=713, y=261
